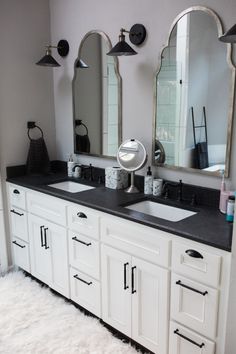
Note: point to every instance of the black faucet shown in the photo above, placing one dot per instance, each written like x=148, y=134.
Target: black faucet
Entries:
x=179, y=185
x=90, y=169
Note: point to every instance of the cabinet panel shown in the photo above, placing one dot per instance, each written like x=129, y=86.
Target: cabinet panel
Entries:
x=204, y=267
x=194, y=305
x=19, y=225
x=17, y=196
x=84, y=254
x=150, y=303
x=116, y=299
x=85, y=291
x=184, y=341
x=21, y=253
x=83, y=220
x=50, y=208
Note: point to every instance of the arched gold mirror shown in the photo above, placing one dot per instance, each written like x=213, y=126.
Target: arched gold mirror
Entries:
x=96, y=90
x=194, y=95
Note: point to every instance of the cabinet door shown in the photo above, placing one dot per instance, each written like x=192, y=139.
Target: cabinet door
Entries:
x=116, y=298
x=19, y=223
x=21, y=253
x=40, y=257
x=150, y=302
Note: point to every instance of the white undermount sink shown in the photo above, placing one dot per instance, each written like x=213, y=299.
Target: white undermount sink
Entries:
x=161, y=210
x=70, y=186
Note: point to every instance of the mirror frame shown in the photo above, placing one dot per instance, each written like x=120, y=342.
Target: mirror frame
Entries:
x=232, y=68
x=119, y=79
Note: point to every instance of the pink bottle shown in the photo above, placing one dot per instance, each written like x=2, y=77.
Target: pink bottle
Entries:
x=224, y=195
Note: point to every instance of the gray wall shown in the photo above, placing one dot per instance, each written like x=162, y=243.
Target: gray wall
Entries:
x=72, y=19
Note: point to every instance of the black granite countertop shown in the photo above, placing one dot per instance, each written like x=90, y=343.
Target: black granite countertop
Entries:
x=207, y=226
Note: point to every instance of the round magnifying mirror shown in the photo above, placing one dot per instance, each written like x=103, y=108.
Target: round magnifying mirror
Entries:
x=132, y=156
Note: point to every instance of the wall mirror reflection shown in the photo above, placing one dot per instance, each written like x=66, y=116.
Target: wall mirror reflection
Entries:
x=96, y=98
x=194, y=92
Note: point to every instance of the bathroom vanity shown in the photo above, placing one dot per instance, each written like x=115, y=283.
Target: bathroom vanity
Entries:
x=164, y=284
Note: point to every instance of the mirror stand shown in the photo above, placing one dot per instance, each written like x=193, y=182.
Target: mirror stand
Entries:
x=132, y=188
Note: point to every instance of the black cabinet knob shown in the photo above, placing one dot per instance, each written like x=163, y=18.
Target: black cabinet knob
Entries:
x=81, y=215
x=194, y=254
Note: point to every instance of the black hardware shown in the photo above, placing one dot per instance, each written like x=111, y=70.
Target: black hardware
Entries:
x=179, y=185
x=41, y=234
x=125, y=276
x=188, y=339
x=132, y=285
x=45, y=238
x=190, y=288
x=180, y=81
x=193, y=199
x=194, y=254
x=84, y=243
x=16, y=191
x=32, y=125
x=15, y=243
x=16, y=212
x=84, y=281
x=81, y=215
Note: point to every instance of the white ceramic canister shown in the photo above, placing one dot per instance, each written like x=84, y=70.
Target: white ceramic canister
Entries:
x=157, y=186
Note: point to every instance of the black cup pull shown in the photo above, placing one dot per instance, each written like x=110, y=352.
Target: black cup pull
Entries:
x=41, y=236
x=16, y=212
x=133, y=280
x=188, y=339
x=45, y=238
x=17, y=244
x=83, y=281
x=125, y=276
x=194, y=254
x=81, y=215
x=192, y=289
x=83, y=243
x=16, y=191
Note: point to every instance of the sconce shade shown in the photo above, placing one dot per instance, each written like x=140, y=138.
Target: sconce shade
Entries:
x=48, y=60
x=81, y=64
x=121, y=48
x=229, y=36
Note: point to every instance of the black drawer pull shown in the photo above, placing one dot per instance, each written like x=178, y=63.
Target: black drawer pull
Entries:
x=41, y=235
x=16, y=191
x=45, y=238
x=84, y=243
x=81, y=215
x=132, y=284
x=190, y=288
x=83, y=281
x=125, y=276
x=17, y=244
x=188, y=339
x=194, y=254
x=16, y=212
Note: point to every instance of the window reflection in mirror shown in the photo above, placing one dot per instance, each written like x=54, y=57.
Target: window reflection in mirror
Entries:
x=193, y=113
x=96, y=98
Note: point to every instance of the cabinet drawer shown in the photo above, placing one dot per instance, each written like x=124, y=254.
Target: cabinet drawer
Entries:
x=21, y=253
x=19, y=226
x=85, y=291
x=17, y=196
x=84, y=220
x=84, y=254
x=184, y=341
x=194, y=305
x=142, y=241
x=205, y=269
x=50, y=208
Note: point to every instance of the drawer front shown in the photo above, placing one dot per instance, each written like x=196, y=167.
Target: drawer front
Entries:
x=84, y=254
x=194, y=305
x=196, y=263
x=19, y=226
x=21, y=253
x=50, y=208
x=17, y=196
x=85, y=291
x=84, y=220
x=184, y=341
x=142, y=241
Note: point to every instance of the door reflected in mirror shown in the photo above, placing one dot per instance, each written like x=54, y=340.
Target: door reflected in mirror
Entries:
x=194, y=96
x=96, y=98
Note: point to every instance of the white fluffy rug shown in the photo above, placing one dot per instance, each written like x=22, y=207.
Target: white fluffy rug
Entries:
x=33, y=320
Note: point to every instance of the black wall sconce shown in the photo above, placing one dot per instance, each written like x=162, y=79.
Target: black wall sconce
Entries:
x=229, y=36
x=137, y=35
x=48, y=60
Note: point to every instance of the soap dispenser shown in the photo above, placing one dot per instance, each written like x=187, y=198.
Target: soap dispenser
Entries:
x=148, y=181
